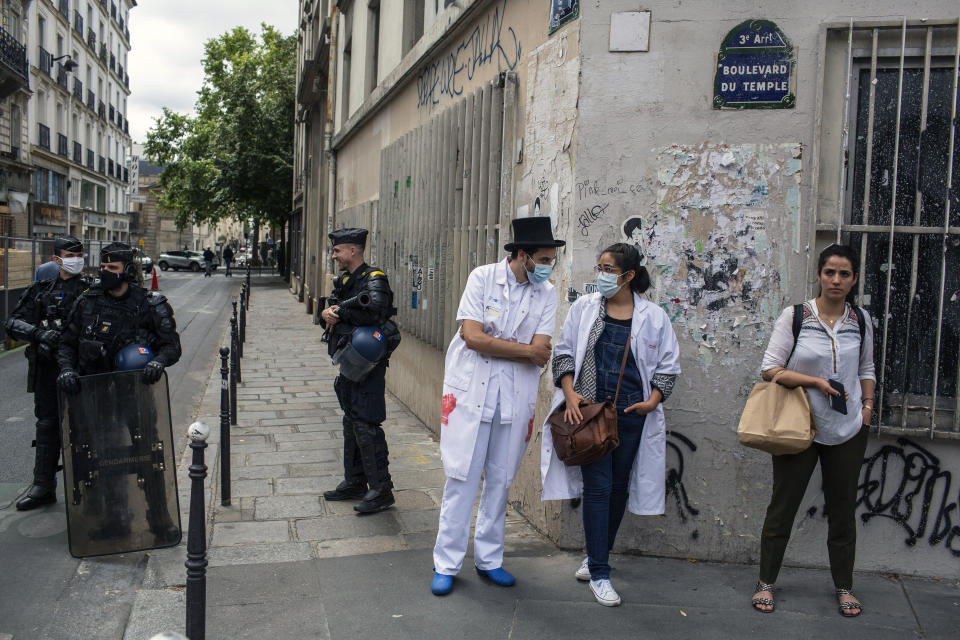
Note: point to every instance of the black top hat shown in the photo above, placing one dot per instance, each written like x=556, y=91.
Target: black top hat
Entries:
x=532, y=233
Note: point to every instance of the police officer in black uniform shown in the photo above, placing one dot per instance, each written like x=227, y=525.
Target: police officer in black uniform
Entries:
x=361, y=297
x=112, y=315
x=39, y=319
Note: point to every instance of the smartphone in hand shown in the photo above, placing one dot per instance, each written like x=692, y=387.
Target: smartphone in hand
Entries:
x=838, y=403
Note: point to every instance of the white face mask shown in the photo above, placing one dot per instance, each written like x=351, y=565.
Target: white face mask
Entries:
x=73, y=266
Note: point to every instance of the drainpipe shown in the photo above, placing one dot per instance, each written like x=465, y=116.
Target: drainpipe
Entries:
x=327, y=149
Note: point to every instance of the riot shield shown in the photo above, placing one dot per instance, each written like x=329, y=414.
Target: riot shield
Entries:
x=119, y=472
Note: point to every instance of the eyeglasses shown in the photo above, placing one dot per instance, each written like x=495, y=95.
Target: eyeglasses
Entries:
x=606, y=268
x=547, y=262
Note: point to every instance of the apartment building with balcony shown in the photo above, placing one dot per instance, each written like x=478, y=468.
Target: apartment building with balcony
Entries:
x=79, y=133
x=15, y=170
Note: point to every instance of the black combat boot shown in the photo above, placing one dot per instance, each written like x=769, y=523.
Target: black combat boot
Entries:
x=44, y=489
x=373, y=456
x=345, y=491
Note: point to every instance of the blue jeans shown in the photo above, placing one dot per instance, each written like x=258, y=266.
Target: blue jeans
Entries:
x=605, y=484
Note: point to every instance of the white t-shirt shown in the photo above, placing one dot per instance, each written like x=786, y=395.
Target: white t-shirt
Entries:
x=828, y=353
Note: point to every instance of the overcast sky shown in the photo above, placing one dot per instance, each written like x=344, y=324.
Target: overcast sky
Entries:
x=166, y=40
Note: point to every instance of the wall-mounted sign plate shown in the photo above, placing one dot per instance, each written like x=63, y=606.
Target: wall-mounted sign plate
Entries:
x=755, y=68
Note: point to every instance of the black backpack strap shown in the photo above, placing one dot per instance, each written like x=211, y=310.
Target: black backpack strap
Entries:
x=862, y=323
x=797, y=323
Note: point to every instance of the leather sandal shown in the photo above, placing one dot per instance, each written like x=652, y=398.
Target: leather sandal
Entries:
x=768, y=602
x=847, y=606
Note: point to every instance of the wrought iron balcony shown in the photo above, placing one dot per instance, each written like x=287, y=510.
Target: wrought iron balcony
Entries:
x=101, y=164
x=113, y=10
x=113, y=62
x=62, y=147
x=122, y=26
x=126, y=175
x=90, y=159
x=111, y=111
x=126, y=81
x=126, y=126
x=91, y=100
x=103, y=53
x=119, y=120
x=65, y=9
x=78, y=89
x=91, y=39
x=44, y=136
x=77, y=152
x=126, y=33
x=101, y=110
x=110, y=167
x=120, y=71
x=45, y=61
x=78, y=23
x=62, y=76
x=13, y=57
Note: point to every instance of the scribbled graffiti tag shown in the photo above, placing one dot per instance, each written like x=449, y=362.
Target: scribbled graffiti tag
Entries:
x=676, y=442
x=905, y=483
x=489, y=42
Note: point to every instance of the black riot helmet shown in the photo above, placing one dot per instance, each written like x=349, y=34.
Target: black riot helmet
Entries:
x=67, y=243
x=119, y=252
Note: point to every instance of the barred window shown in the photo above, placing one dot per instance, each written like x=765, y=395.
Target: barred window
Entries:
x=896, y=157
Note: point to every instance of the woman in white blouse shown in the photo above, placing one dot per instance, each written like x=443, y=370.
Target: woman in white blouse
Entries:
x=834, y=344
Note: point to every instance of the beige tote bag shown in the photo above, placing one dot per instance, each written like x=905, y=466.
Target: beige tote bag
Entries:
x=776, y=419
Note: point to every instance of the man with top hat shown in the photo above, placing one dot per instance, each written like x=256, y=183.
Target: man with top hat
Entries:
x=39, y=319
x=360, y=337
x=492, y=371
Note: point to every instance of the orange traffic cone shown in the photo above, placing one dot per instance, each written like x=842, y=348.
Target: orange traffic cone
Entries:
x=155, y=286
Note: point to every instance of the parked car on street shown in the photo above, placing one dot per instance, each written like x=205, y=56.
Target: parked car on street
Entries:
x=176, y=260
x=146, y=264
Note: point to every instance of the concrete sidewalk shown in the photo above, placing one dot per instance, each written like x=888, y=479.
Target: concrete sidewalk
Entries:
x=284, y=563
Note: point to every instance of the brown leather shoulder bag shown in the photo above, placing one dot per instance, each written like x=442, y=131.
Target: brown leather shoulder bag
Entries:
x=596, y=435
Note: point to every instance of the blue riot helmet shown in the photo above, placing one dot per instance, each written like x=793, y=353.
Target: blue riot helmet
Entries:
x=366, y=348
x=133, y=357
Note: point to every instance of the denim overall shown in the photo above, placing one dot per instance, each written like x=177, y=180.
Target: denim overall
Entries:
x=605, y=481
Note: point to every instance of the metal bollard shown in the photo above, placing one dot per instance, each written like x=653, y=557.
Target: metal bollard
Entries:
x=196, y=563
x=235, y=349
x=224, y=429
x=248, y=285
x=242, y=321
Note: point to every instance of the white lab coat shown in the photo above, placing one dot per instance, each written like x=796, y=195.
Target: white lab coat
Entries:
x=655, y=349
x=486, y=299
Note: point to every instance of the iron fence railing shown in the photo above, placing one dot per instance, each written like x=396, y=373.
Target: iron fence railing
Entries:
x=13, y=54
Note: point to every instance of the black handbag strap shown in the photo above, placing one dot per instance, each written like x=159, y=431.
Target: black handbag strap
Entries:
x=623, y=366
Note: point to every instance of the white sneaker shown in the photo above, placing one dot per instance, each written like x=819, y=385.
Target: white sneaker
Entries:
x=583, y=573
x=604, y=592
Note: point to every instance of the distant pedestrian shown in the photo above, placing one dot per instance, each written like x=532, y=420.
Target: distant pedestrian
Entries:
x=227, y=260
x=615, y=329
x=507, y=314
x=207, y=262
x=829, y=351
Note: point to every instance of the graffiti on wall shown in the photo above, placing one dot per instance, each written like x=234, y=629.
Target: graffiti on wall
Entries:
x=677, y=444
x=710, y=244
x=489, y=44
x=906, y=483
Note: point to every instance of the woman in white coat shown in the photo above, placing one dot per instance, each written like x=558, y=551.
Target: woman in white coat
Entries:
x=586, y=366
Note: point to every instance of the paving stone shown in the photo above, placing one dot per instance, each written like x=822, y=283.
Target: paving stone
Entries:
x=328, y=427
x=259, y=553
x=262, y=471
x=420, y=540
x=284, y=457
x=247, y=439
x=418, y=521
x=296, y=437
x=239, y=449
x=337, y=527
x=312, y=486
x=424, y=479
x=277, y=507
x=231, y=533
x=413, y=500
x=358, y=546
x=316, y=469
x=247, y=488
x=314, y=443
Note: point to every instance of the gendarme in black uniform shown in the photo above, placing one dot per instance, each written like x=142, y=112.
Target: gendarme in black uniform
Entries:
x=102, y=324
x=39, y=319
x=365, y=456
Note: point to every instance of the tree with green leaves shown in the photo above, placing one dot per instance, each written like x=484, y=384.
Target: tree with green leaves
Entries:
x=234, y=156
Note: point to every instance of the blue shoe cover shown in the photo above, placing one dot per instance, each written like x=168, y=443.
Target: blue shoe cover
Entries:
x=441, y=584
x=498, y=576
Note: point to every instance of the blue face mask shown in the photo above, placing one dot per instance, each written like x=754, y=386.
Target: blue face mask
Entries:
x=607, y=284
x=539, y=274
